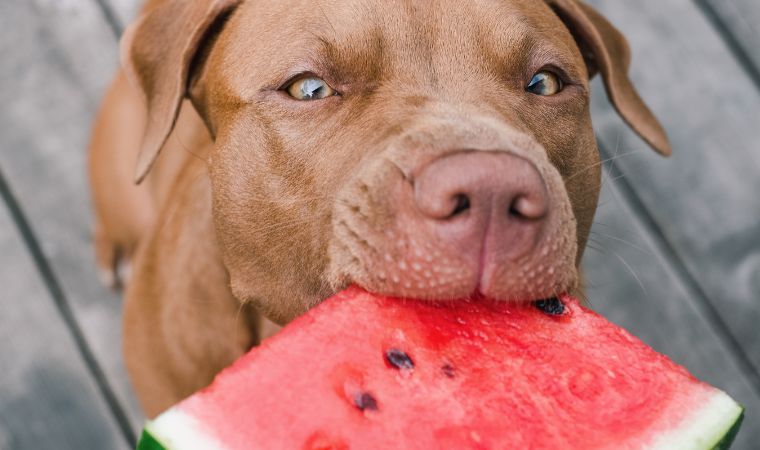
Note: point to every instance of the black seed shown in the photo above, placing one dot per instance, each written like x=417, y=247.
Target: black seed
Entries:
x=399, y=359
x=365, y=401
x=552, y=306
x=448, y=370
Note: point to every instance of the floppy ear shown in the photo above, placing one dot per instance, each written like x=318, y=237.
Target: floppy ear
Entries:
x=606, y=51
x=158, y=52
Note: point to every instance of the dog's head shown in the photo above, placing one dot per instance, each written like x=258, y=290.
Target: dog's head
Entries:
x=432, y=149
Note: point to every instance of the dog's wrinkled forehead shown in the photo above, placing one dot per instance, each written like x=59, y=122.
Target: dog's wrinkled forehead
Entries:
x=436, y=43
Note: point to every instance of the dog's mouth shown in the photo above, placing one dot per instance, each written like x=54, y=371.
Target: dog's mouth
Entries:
x=545, y=302
x=552, y=305
x=457, y=224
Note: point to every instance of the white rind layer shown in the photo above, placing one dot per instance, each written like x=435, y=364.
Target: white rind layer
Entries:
x=703, y=429
x=176, y=430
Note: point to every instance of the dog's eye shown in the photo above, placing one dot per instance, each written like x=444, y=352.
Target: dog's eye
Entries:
x=544, y=83
x=309, y=88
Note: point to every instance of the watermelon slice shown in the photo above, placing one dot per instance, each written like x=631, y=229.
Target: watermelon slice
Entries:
x=369, y=372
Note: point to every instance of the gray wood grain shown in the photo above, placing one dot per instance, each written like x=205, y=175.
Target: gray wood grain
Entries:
x=705, y=198
x=57, y=57
x=47, y=397
x=740, y=18
x=124, y=10
x=630, y=282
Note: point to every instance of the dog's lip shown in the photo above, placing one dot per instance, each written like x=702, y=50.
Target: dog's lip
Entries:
x=476, y=295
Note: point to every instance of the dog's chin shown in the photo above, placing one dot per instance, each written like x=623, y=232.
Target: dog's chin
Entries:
x=536, y=276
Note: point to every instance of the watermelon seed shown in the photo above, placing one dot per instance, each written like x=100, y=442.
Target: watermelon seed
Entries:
x=448, y=370
x=552, y=306
x=399, y=359
x=365, y=401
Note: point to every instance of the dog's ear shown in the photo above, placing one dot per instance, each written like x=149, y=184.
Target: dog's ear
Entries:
x=158, y=53
x=606, y=52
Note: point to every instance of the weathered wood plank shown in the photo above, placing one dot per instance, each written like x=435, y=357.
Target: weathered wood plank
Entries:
x=47, y=397
x=740, y=19
x=703, y=199
x=124, y=10
x=57, y=57
x=630, y=282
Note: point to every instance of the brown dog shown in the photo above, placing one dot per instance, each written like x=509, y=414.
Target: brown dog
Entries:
x=426, y=149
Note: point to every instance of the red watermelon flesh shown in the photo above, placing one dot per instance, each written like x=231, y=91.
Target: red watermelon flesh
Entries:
x=362, y=371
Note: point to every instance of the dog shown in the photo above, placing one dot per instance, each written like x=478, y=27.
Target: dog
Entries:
x=433, y=149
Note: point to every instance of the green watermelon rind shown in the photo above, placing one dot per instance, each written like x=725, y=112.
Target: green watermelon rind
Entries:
x=712, y=427
x=725, y=443
x=175, y=430
x=149, y=442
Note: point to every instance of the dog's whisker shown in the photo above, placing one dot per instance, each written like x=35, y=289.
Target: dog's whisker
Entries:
x=633, y=272
x=624, y=241
x=622, y=175
x=602, y=224
x=593, y=207
x=605, y=178
x=603, y=161
x=583, y=297
x=615, y=178
x=596, y=249
x=599, y=205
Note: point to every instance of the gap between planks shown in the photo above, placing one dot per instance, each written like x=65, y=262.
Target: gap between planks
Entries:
x=738, y=50
x=110, y=17
x=53, y=286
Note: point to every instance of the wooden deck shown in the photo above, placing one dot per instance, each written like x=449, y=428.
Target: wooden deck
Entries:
x=674, y=256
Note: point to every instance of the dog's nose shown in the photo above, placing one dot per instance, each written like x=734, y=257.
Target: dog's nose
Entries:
x=470, y=196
